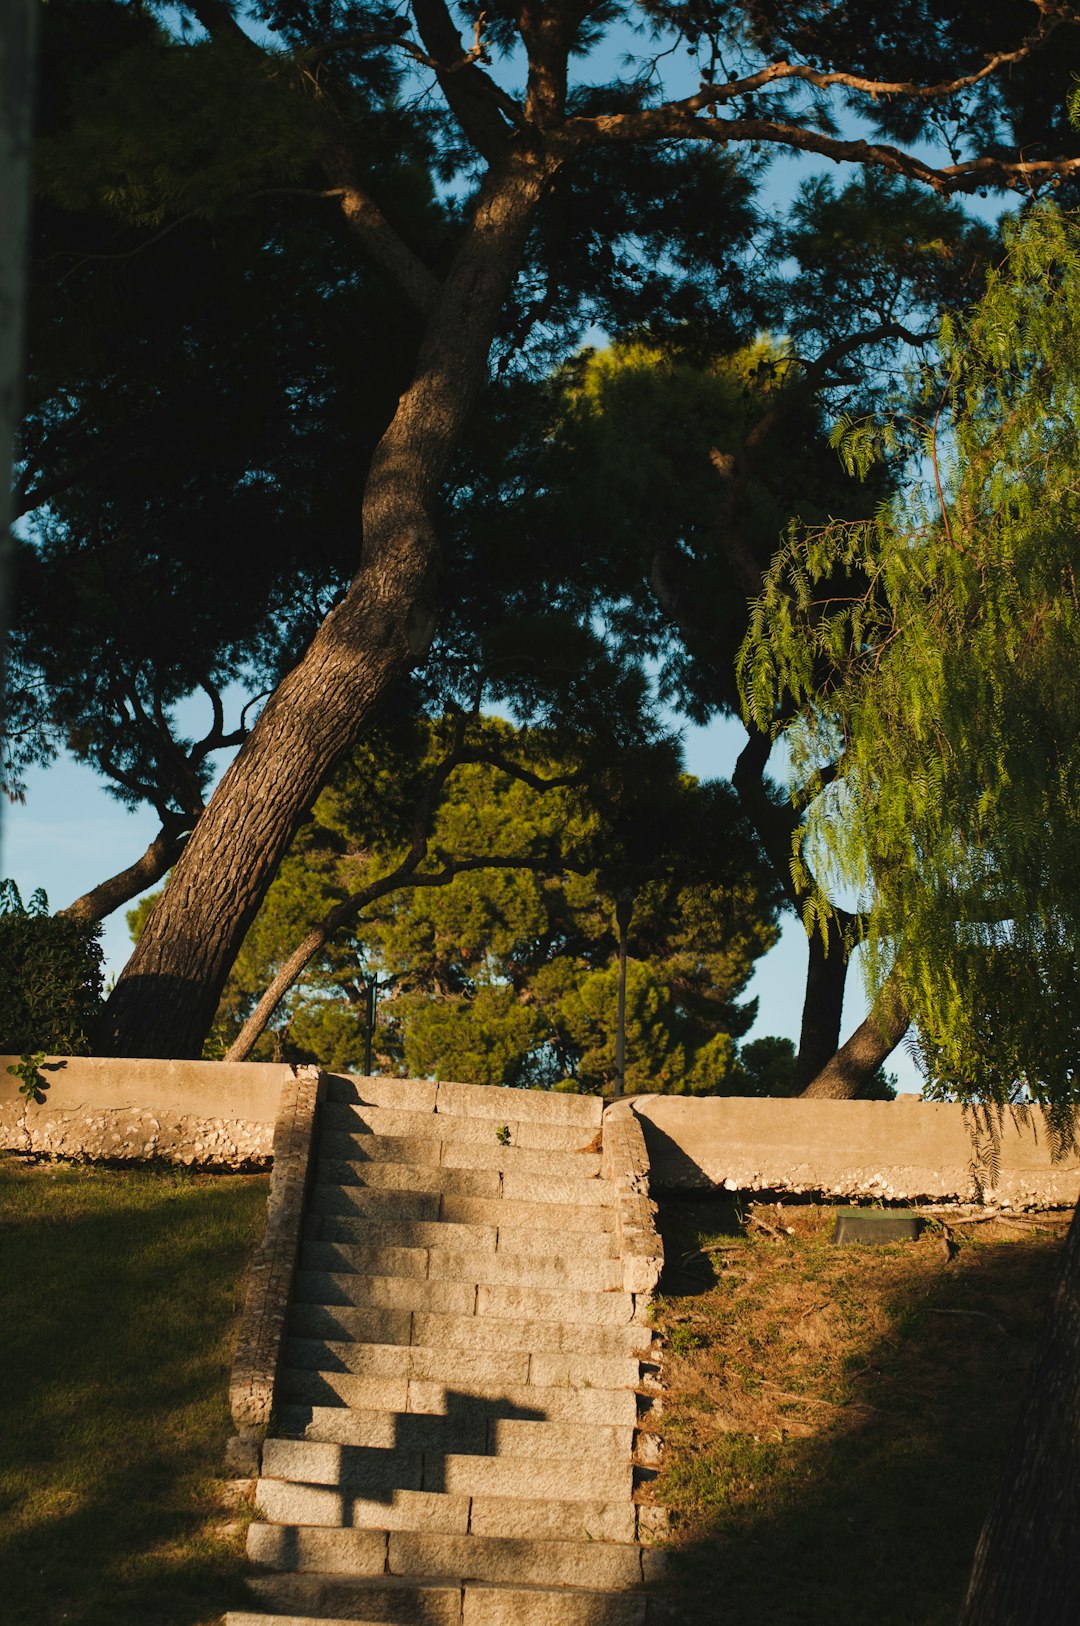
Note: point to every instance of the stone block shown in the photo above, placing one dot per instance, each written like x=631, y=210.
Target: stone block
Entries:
x=286, y=1547
x=519, y=1106
x=554, y=1368
x=395, y=1094
x=297, y=1387
x=534, y=1304
x=561, y=1480
x=528, y=1187
x=519, y=1239
x=522, y=1606
x=384, y=1293
x=345, y=1325
x=359, y=1598
x=550, y=1271
x=516, y=1560
x=532, y=1336
x=503, y=1211
x=285, y=1502
x=478, y=1154
x=343, y=1257
x=552, y=1521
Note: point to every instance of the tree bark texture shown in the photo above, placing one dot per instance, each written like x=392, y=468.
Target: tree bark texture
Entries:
x=823, y=1006
x=873, y=1041
x=1027, y=1564
x=164, y=1002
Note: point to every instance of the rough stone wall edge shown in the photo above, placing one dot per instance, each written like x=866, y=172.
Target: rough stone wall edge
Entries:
x=625, y=1162
x=270, y=1274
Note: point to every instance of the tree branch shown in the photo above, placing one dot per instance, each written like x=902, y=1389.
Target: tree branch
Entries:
x=401, y=879
x=873, y=1041
x=780, y=72
x=119, y=889
x=477, y=103
x=678, y=121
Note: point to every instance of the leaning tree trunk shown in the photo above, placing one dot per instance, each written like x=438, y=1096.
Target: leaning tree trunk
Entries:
x=164, y=1002
x=823, y=1006
x=1027, y=1564
x=873, y=1041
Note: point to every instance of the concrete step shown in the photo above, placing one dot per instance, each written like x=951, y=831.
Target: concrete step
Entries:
x=307, y=1600
x=333, y=1366
x=442, y=1234
x=368, y=1202
x=477, y=1101
x=343, y=1326
x=516, y=1560
x=367, y=1471
x=358, y=1118
x=425, y=1148
x=551, y=1271
x=282, y=1501
x=615, y=1407
x=461, y=1298
x=519, y=1185
x=472, y=1424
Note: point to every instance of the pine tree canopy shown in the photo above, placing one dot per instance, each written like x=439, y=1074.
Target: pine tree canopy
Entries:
x=508, y=974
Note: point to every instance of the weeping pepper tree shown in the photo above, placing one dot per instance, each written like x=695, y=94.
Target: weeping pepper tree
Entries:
x=954, y=716
x=764, y=80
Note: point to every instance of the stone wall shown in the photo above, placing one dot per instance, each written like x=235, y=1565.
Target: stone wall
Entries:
x=904, y=1150
x=222, y=1114
x=206, y=1113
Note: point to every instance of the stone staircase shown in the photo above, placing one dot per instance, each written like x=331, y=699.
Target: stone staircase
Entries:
x=462, y=1412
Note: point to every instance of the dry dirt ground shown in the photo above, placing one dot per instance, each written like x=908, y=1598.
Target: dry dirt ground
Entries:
x=835, y=1417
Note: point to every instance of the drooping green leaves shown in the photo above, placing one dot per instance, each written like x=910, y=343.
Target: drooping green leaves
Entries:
x=948, y=696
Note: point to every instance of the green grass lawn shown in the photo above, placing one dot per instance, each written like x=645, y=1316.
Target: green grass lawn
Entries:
x=836, y=1417
x=119, y=1290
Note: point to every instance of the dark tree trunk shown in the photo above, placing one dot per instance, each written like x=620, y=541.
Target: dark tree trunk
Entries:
x=1027, y=1564
x=873, y=1041
x=823, y=1007
x=165, y=999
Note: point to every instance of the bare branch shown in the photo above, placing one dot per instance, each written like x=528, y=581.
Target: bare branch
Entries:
x=119, y=889
x=779, y=72
x=680, y=121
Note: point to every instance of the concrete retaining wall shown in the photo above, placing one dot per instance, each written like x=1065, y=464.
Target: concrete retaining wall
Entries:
x=222, y=1114
x=906, y=1149
x=215, y=1114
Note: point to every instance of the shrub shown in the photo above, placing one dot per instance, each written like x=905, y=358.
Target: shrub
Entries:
x=50, y=977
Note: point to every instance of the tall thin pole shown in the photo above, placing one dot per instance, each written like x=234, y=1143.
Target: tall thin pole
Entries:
x=370, y=985
x=624, y=908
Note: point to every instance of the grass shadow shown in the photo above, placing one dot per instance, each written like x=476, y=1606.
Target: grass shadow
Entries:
x=119, y=1290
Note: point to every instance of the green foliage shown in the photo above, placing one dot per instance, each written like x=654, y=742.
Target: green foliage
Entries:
x=507, y=975
x=50, y=979
x=766, y=1066
x=950, y=705
x=34, y=1083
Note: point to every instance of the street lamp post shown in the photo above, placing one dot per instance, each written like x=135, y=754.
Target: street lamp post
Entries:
x=370, y=987
x=624, y=908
